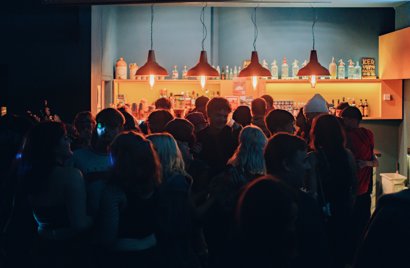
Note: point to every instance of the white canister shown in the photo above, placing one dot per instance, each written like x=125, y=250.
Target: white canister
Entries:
x=133, y=70
x=121, y=69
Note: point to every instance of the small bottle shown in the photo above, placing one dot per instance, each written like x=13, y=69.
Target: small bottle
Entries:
x=133, y=70
x=230, y=74
x=184, y=72
x=333, y=69
x=361, y=106
x=366, y=110
x=351, y=70
x=121, y=69
x=341, y=70
x=226, y=72
x=223, y=75
x=235, y=72
x=274, y=70
x=175, y=74
x=358, y=71
x=265, y=64
x=295, y=69
x=219, y=71
x=285, y=69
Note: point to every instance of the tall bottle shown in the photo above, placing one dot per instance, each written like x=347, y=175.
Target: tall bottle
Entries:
x=351, y=70
x=219, y=71
x=235, y=72
x=175, y=74
x=184, y=72
x=366, y=110
x=333, y=69
x=361, y=106
x=341, y=70
x=227, y=72
x=230, y=74
x=358, y=71
x=274, y=70
x=121, y=69
x=285, y=69
x=295, y=69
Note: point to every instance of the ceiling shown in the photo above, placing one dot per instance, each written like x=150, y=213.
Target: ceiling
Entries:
x=244, y=3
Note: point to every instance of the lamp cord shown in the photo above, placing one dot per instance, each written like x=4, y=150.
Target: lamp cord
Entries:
x=204, y=30
x=313, y=26
x=152, y=22
x=255, y=32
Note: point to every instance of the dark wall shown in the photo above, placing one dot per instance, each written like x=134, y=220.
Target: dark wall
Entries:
x=46, y=55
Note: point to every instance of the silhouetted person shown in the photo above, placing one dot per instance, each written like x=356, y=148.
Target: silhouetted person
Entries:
x=84, y=124
x=157, y=120
x=198, y=120
x=126, y=226
x=242, y=115
x=360, y=141
x=218, y=140
x=269, y=102
x=258, y=107
x=200, y=105
x=280, y=121
x=286, y=159
x=336, y=183
x=163, y=103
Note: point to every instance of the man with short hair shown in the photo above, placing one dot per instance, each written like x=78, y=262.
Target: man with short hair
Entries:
x=269, y=102
x=258, y=108
x=280, y=121
x=360, y=141
x=94, y=161
x=286, y=159
x=218, y=140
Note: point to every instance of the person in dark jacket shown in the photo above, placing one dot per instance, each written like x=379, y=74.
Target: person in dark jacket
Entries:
x=386, y=240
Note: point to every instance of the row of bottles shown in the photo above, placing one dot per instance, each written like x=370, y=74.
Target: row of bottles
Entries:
x=362, y=105
x=229, y=73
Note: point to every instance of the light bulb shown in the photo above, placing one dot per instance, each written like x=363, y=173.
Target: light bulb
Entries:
x=151, y=80
x=313, y=81
x=254, y=82
x=203, y=81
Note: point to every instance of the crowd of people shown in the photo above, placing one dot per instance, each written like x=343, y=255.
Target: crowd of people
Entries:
x=263, y=189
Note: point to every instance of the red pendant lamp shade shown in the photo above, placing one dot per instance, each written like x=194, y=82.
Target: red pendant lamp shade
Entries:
x=151, y=67
x=254, y=68
x=202, y=68
x=313, y=67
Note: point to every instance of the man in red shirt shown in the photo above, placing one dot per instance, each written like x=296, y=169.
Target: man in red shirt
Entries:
x=360, y=141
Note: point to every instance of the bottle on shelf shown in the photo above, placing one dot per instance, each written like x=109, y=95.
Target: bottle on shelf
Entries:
x=265, y=64
x=219, y=70
x=175, y=74
x=226, y=72
x=333, y=69
x=295, y=69
x=121, y=69
x=235, y=72
x=230, y=74
x=223, y=75
x=361, y=106
x=341, y=70
x=353, y=103
x=351, y=70
x=133, y=70
x=274, y=70
x=358, y=71
x=285, y=69
x=366, y=110
x=184, y=72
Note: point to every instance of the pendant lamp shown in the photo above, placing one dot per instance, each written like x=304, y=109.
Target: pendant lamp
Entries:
x=203, y=69
x=313, y=69
x=151, y=68
x=254, y=69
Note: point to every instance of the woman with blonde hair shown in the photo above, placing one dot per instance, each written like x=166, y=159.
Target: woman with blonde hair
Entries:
x=246, y=164
x=174, y=211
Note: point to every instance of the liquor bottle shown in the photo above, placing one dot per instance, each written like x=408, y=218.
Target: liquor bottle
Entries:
x=366, y=110
x=223, y=75
x=295, y=69
x=226, y=72
x=230, y=74
x=235, y=72
x=358, y=71
x=285, y=69
x=341, y=70
x=361, y=106
x=175, y=74
x=121, y=69
x=350, y=70
x=219, y=71
x=184, y=72
x=274, y=70
x=333, y=69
